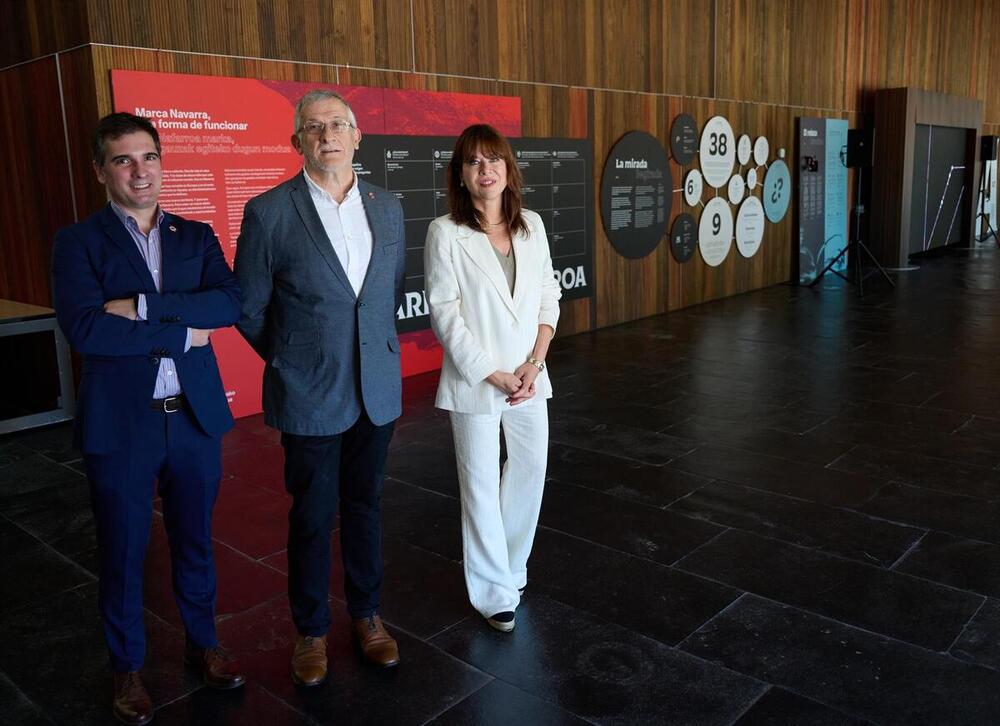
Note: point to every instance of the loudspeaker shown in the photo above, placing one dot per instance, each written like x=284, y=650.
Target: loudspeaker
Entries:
x=989, y=148
x=859, y=147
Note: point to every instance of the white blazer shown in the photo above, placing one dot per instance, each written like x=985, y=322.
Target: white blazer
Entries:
x=480, y=325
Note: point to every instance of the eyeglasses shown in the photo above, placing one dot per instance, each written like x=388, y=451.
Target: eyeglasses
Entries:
x=337, y=126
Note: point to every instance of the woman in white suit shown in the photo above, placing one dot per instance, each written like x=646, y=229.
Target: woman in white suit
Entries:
x=494, y=304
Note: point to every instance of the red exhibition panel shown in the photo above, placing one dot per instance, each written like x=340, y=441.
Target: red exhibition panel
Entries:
x=226, y=140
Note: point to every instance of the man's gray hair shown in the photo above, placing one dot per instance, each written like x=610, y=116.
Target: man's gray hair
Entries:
x=321, y=95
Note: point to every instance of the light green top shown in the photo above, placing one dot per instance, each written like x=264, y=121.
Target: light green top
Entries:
x=507, y=265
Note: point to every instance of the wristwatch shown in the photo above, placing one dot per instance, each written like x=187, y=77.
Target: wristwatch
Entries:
x=539, y=364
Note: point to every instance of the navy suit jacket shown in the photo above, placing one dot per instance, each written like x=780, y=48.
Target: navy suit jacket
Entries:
x=96, y=261
x=329, y=353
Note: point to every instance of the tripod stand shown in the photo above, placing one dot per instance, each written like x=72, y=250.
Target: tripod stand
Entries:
x=854, y=249
x=984, y=186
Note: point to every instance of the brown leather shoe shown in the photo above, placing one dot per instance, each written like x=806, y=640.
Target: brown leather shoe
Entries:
x=377, y=646
x=131, y=704
x=309, y=660
x=218, y=668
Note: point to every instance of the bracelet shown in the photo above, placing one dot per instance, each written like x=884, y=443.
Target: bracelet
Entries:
x=539, y=364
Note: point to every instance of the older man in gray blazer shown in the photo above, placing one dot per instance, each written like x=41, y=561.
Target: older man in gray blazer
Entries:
x=321, y=259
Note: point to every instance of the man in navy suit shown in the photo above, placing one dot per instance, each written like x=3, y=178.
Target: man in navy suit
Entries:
x=321, y=259
x=138, y=291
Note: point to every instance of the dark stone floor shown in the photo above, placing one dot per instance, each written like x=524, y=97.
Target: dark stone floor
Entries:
x=781, y=508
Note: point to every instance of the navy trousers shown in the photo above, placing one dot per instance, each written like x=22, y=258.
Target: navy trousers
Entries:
x=320, y=473
x=169, y=448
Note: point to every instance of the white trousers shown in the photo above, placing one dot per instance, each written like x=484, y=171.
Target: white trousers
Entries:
x=500, y=509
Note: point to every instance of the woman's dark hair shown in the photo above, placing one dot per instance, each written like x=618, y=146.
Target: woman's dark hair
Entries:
x=114, y=126
x=485, y=138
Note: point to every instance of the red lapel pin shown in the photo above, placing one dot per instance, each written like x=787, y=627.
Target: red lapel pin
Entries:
x=371, y=195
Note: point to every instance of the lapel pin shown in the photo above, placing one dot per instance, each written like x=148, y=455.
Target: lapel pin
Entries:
x=173, y=228
x=371, y=195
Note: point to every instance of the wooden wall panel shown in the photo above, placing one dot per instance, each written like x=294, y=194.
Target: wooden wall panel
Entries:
x=83, y=108
x=462, y=38
x=657, y=46
x=818, y=60
x=556, y=42
x=753, y=39
x=373, y=33
x=654, y=46
x=937, y=46
x=36, y=198
x=34, y=28
x=992, y=72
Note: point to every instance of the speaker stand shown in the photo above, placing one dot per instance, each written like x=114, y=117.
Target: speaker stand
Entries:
x=854, y=250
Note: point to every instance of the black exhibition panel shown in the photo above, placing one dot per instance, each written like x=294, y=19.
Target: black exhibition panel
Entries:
x=684, y=139
x=636, y=194
x=556, y=181
x=684, y=237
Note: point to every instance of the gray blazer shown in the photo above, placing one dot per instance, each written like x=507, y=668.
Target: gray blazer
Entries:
x=328, y=353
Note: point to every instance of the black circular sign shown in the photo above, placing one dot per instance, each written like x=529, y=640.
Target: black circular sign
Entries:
x=684, y=237
x=636, y=193
x=684, y=139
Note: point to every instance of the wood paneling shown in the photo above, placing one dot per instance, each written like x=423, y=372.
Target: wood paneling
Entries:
x=373, y=33
x=937, y=46
x=83, y=108
x=992, y=73
x=36, y=197
x=752, y=61
x=787, y=52
x=34, y=28
x=582, y=68
x=818, y=59
x=655, y=46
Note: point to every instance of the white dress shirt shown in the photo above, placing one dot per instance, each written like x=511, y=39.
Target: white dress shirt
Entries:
x=346, y=224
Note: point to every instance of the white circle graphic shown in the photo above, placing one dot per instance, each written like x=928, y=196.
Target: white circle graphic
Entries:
x=743, y=150
x=737, y=188
x=749, y=227
x=693, y=187
x=761, y=150
x=715, y=231
x=717, y=152
x=752, y=179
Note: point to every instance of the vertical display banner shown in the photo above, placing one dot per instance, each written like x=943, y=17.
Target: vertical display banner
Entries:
x=822, y=195
x=226, y=140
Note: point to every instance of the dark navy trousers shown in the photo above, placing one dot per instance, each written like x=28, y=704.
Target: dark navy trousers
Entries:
x=171, y=449
x=322, y=472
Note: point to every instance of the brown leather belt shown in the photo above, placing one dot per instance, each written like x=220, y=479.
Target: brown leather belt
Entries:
x=173, y=404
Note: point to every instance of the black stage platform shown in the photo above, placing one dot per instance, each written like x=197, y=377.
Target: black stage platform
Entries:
x=780, y=508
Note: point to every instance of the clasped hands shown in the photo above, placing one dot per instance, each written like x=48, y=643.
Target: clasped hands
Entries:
x=519, y=385
x=125, y=308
